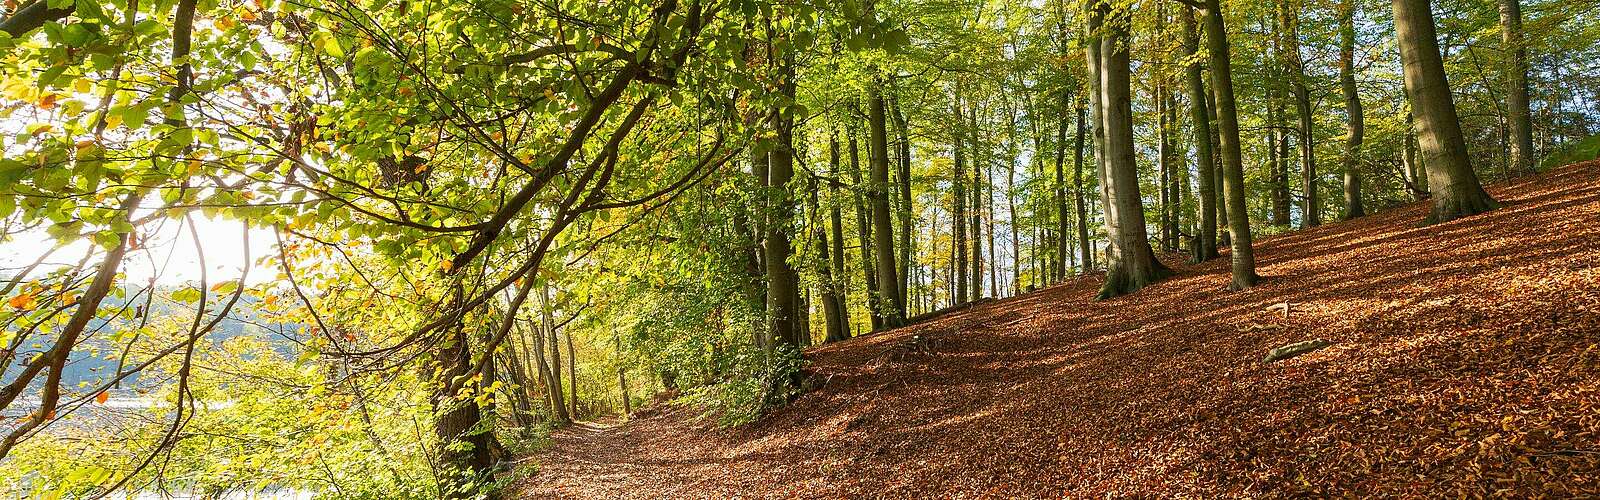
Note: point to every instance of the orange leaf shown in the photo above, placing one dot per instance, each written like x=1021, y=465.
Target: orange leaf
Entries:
x=102, y=397
x=24, y=302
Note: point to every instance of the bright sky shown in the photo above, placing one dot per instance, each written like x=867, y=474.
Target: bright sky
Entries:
x=169, y=254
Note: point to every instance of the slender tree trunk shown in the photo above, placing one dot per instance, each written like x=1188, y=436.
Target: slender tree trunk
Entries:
x=753, y=286
x=838, y=279
x=1311, y=211
x=1079, y=201
x=1206, y=243
x=1011, y=204
x=882, y=221
x=1131, y=263
x=554, y=343
x=869, y=272
x=832, y=305
x=1519, y=118
x=572, y=374
x=1063, y=245
x=1163, y=171
x=976, y=229
x=1244, y=262
x=959, y=209
x=1278, y=179
x=1355, y=124
x=1454, y=186
x=1224, y=230
x=622, y=378
x=903, y=142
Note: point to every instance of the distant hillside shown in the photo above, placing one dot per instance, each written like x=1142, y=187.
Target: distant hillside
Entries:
x=82, y=367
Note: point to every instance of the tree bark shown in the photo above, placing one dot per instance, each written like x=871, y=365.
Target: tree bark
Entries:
x=1131, y=263
x=1244, y=262
x=903, y=175
x=1451, y=180
x=1518, y=116
x=1079, y=201
x=572, y=374
x=869, y=272
x=1311, y=208
x=1206, y=242
x=783, y=288
x=557, y=398
x=622, y=378
x=1355, y=122
x=882, y=220
x=975, y=212
x=837, y=278
x=959, y=207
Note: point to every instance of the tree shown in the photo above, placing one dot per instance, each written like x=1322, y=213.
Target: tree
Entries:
x=1205, y=246
x=882, y=220
x=1451, y=180
x=1519, y=119
x=1244, y=261
x=1355, y=120
x=1130, y=263
x=783, y=287
x=1289, y=30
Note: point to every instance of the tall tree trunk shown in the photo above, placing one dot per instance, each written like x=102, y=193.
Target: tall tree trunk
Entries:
x=882, y=220
x=975, y=229
x=1206, y=241
x=903, y=175
x=572, y=374
x=783, y=288
x=959, y=208
x=1131, y=263
x=869, y=272
x=1093, y=16
x=1288, y=18
x=837, y=279
x=1223, y=226
x=622, y=378
x=558, y=400
x=1169, y=227
x=1244, y=262
x=753, y=285
x=1079, y=201
x=1278, y=177
x=1011, y=203
x=1355, y=124
x=832, y=304
x=1063, y=244
x=1518, y=116
x=1454, y=186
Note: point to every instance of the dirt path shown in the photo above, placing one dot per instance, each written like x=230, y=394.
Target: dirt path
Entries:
x=1465, y=360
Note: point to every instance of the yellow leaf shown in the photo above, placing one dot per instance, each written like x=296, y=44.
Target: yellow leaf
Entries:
x=446, y=266
x=82, y=85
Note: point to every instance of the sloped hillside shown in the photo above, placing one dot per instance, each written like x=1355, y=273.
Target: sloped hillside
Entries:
x=1464, y=360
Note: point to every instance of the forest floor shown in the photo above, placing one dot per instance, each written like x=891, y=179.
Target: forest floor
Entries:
x=1464, y=362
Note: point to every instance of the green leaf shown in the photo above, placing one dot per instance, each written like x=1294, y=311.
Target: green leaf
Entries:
x=187, y=295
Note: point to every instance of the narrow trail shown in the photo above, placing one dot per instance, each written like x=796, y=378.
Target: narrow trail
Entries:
x=1465, y=360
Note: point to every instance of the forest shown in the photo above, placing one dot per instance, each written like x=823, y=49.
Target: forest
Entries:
x=799, y=248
